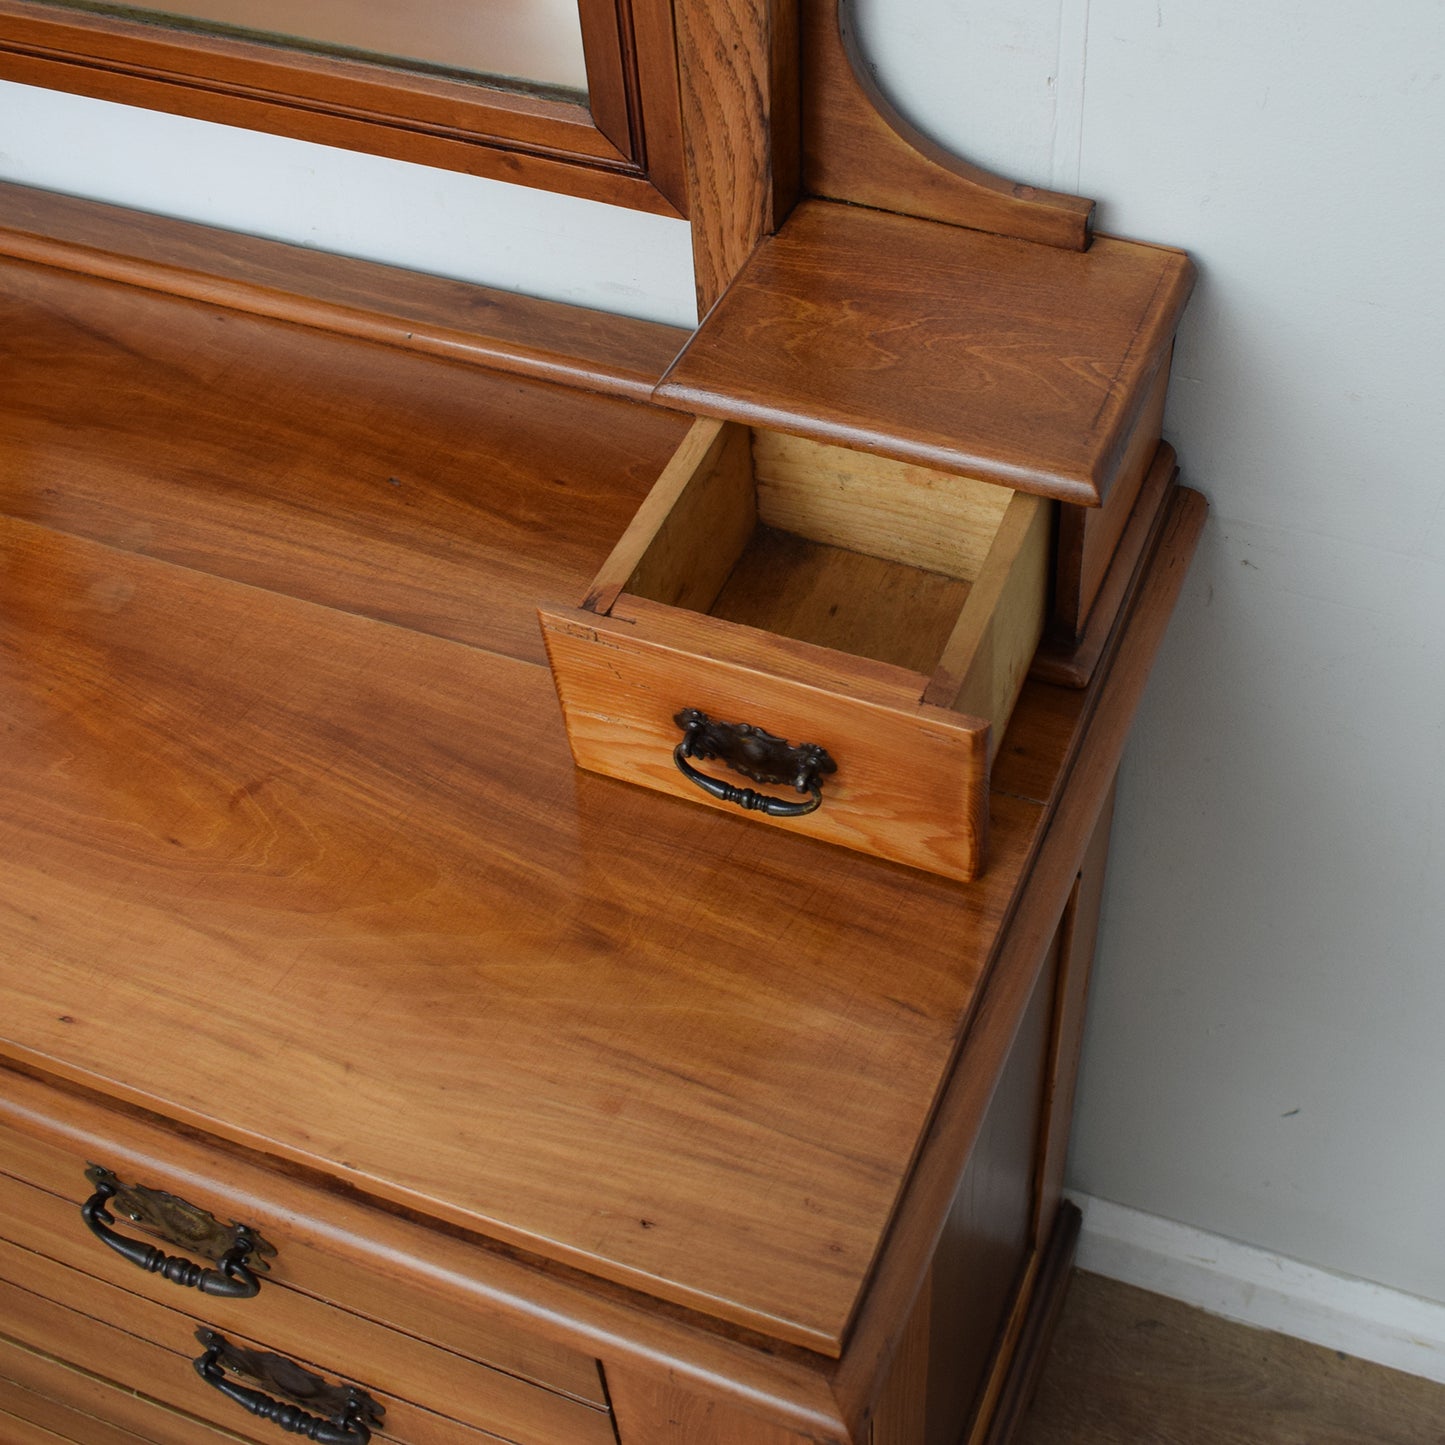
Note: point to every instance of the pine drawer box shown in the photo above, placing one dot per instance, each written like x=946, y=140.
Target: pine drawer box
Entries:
x=883, y=612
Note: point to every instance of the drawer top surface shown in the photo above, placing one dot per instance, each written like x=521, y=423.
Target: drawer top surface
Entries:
x=1007, y=360
x=332, y=888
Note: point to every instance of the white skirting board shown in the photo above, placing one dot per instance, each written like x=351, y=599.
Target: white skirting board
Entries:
x=1261, y=1289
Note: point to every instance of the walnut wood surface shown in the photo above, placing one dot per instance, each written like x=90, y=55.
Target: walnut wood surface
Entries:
x=128, y=1417
x=458, y=1290
x=123, y=993
x=312, y=1265
x=1075, y=735
x=435, y=496
x=64, y=1038
x=407, y=310
x=459, y=978
x=858, y=148
x=912, y=778
x=145, y=1346
x=1066, y=1045
x=737, y=69
x=986, y=1244
x=1070, y=661
x=1089, y=537
x=323, y=842
x=1020, y=1370
x=1005, y=360
x=780, y=628
x=20, y=1430
x=1032, y=752
x=653, y=1410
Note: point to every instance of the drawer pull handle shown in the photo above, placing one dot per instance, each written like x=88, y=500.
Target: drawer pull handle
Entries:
x=757, y=755
x=351, y=1412
x=236, y=1248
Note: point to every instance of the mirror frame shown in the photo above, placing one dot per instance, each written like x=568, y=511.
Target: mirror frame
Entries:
x=622, y=145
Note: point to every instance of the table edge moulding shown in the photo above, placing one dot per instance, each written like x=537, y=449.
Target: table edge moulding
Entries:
x=553, y=861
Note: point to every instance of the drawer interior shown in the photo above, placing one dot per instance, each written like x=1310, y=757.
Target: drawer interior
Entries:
x=862, y=555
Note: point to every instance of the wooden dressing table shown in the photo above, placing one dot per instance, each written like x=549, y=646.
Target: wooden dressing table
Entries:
x=571, y=1111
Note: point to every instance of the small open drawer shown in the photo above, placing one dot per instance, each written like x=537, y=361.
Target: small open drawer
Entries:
x=876, y=612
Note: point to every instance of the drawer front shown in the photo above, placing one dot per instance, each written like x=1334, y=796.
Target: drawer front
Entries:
x=41, y=1188
x=73, y=1405
x=143, y=1346
x=303, y=1267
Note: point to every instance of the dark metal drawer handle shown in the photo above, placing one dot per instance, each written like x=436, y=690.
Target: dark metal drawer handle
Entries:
x=236, y=1248
x=351, y=1411
x=757, y=755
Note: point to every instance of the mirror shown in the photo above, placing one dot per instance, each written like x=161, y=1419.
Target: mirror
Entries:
x=524, y=42
x=579, y=96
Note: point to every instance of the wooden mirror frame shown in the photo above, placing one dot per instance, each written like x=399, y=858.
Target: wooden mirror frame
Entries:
x=724, y=114
x=621, y=145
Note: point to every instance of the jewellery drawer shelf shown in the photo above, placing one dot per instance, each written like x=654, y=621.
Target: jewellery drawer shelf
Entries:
x=575, y=1111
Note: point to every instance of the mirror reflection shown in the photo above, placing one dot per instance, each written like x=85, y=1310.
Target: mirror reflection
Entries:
x=527, y=42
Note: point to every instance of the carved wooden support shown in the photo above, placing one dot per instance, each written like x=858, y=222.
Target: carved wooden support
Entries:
x=858, y=148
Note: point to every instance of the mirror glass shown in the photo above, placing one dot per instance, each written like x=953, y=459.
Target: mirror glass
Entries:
x=535, y=43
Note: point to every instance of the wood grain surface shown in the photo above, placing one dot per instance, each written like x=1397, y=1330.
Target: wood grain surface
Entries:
x=147, y=1347
x=435, y=496
x=455, y=1288
x=1005, y=360
x=464, y=1015
x=130, y=1418
x=858, y=148
x=737, y=69
x=912, y=779
x=93, y=1409
x=297, y=1325
x=408, y=310
x=1070, y=660
x=329, y=890
x=1058, y=734
x=45, y=1186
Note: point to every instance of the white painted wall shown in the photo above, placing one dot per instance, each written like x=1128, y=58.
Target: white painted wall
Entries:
x=1265, y=1056
x=1266, y=1052
x=361, y=205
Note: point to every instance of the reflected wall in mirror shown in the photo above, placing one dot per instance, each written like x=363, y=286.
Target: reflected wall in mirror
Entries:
x=579, y=96
x=530, y=42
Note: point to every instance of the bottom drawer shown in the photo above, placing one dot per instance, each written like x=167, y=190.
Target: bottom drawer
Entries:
x=496, y=1403
x=63, y=1403
x=480, y=1369
x=148, y=1348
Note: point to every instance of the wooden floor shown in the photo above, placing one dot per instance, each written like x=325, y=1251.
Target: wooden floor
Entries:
x=1127, y=1367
